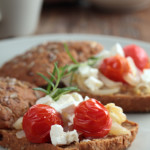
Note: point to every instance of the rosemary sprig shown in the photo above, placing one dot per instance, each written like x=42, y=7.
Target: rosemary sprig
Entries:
x=56, y=76
x=74, y=67
x=68, y=52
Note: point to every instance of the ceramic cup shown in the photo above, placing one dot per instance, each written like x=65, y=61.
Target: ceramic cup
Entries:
x=19, y=17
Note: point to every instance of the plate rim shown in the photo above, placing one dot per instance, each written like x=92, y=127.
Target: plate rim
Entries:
x=55, y=35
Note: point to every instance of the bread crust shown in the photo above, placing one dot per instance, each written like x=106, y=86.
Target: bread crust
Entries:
x=15, y=98
x=9, y=140
x=42, y=58
x=128, y=102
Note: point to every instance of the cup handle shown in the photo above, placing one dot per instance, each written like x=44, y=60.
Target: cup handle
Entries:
x=0, y=16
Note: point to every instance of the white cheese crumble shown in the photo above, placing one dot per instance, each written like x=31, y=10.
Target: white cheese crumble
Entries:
x=77, y=97
x=66, y=105
x=68, y=102
x=93, y=84
x=59, y=137
x=87, y=71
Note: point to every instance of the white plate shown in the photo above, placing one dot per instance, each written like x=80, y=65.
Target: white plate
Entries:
x=11, y=48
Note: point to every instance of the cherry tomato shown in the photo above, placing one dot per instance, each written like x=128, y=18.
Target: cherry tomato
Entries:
x=37, y=123
x=92, y=119
x=115, y=68
x=138, y=54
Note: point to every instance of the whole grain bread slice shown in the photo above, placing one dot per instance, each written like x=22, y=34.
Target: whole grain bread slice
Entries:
x=42, y=58
x=15, y=99
x=9, y=140
x=128, y=102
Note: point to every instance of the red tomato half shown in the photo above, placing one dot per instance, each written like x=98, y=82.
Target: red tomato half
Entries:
x=115, y=68
x=92, y=119
x=138, y=54
x=37, y=123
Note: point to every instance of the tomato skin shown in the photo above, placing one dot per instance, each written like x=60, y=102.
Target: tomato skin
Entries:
x=92, y=119
x=138, y=54
x=115, y=68
x=37, y=123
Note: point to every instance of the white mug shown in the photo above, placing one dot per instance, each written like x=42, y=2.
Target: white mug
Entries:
x=19, y=17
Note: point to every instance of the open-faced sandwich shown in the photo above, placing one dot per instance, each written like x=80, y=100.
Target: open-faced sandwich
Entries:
x=120, y=75
x=63, y=119
x=42, y=58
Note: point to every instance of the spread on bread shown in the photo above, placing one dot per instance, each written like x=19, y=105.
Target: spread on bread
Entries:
x=120, y=70
x=62, y=117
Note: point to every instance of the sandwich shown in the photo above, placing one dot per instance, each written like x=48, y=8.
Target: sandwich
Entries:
x=120, y=75
x=42, y=58
x=65, y=120
x=127, y=86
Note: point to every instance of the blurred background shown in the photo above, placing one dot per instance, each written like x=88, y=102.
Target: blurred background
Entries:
x=125, y=18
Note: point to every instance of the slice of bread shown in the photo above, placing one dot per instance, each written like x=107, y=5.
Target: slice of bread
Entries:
x=129, y=103
x=9, y=140
x=42, y=58
x=15, y=99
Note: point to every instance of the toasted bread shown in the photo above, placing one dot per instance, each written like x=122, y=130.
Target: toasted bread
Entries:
x=42, y=58
x=9, y=140
x=129, y=103
x=15, y=99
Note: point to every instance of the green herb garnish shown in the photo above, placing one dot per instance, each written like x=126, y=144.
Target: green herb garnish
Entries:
x=53, y=82
x=74, y=67
x=68, y=52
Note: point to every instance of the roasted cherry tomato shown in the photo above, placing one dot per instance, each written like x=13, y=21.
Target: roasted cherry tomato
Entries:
x=92, y=119
x=138, y=54
x=37, y=123
x=115, y=68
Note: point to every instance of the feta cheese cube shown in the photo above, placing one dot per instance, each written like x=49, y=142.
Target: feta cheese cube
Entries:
x=145, y=76
x=117, y=49
x=86, y=71
x=72, y=136
x=59, y=137
x=47, y=100
x=70, y=118
x=93, y=83
x=67, y=103
x=77, y=97
x=56, y=106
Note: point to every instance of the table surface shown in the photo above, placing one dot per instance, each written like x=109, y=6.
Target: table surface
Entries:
x=76, y=19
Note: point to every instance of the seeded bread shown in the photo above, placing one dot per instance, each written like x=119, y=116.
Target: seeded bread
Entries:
x=15, y=98
x=41, y=59
x=128, y=102
x=9, y=140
